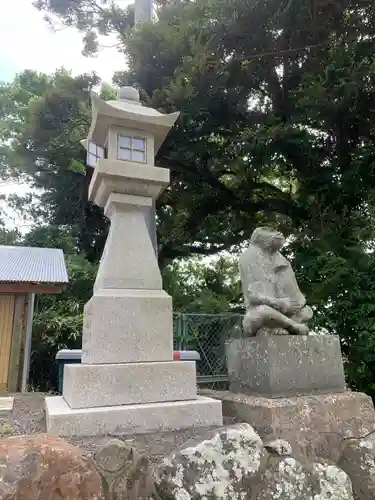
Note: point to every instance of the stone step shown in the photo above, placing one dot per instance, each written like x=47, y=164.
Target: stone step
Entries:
x=6, y=403
x=130, y=419
x=87, y=386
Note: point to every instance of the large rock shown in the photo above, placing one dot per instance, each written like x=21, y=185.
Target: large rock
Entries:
x=234, y=463
x=358, y=461
x=126, y=475
x=288, y=479
x=40, y=467
x=223, y=466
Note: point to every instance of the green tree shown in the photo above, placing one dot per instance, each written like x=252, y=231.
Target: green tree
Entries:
x=42, y=120
x=58, y=322
x=9, y=236
x=52, y=237
x=204, y=286
x=276, y=105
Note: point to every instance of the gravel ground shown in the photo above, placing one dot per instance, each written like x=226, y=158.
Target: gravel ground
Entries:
x=28, y=417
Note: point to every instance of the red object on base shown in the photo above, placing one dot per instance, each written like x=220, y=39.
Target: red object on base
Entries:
x=186, y=356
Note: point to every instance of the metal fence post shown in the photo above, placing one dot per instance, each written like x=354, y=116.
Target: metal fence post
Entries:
x=184, y=331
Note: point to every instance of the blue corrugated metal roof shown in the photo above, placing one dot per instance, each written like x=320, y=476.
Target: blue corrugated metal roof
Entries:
x=32, y=265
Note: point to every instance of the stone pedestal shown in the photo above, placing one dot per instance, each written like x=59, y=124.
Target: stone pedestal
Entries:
x=285, y=365
x=347, y=413
x=128, y=381
x=293, y=387
x=314, y=425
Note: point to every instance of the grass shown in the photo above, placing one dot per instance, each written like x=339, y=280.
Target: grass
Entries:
x=6, y=428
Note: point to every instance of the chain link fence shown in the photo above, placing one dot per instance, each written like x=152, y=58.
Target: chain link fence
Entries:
x=206, y=334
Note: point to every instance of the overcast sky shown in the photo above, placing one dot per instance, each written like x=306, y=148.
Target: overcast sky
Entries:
x=27, y=42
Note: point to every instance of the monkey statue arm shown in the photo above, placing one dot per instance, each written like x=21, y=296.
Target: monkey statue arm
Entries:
x=283, y=305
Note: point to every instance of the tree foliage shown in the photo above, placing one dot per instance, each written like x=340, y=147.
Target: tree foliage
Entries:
x=43, y=119
x=58, y=321
x=277, y=112
x=201, y=286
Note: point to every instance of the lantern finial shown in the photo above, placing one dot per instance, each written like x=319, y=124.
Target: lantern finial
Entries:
x=128, y=94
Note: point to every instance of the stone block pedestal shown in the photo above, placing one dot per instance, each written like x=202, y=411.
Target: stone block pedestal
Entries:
x=293, y=387
x=314, y=425
x=62, y=420
x=86, y=386
x=346, y=413
x=127, y=326
x=128, y=382
x=285, y=365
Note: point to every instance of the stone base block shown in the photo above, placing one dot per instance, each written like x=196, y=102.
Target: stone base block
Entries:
x=131, y=419
x=88, y=386
x=312, y=422
x=127, y=326
x=6, y=403
x=285, y=365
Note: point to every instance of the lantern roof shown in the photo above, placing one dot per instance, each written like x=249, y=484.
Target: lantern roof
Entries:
x=128, y=112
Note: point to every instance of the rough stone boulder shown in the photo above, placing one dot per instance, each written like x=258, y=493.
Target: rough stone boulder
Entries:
x=358, y=460
x=223, y=466
x=288, y=479
x=40, y=467
x=125, y=474
x=234, y=463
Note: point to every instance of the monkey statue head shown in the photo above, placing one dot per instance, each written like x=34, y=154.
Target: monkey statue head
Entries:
x=267, y=239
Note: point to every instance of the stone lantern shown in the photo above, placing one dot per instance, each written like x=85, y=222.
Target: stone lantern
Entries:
x=128, y=381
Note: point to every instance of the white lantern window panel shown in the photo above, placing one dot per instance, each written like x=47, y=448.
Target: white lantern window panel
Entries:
x=132, y=148
x=94, y=153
